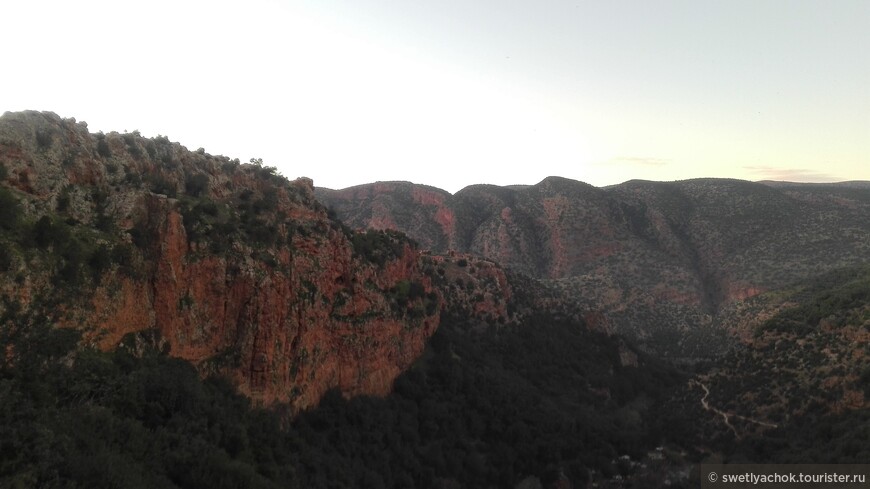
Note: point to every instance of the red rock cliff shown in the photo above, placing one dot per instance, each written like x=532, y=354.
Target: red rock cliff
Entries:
x=240, y=271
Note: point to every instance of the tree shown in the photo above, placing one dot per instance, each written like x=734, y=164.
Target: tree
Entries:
x=9, y=210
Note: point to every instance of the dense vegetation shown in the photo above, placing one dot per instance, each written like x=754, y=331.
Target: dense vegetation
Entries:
x=839, y=298
x=489, y=408
x=91, y=419
x=482, y=409
x=55, y=243
x=801, y=386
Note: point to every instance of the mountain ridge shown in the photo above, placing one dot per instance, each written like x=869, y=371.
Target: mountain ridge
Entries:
x=522, y=186
x=678, y=251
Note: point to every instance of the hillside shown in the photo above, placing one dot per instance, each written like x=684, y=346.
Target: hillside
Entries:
x=666, y=263
x=227, y=265
x=796, y=391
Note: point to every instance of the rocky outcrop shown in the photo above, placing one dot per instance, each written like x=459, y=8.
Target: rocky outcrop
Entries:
x=240, y=271
x=477, y=288
x=419, y=209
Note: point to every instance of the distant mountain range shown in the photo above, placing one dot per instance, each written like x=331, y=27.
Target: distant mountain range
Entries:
x=661, y=260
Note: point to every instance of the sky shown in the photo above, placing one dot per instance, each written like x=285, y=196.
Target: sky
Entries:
x=451, y=93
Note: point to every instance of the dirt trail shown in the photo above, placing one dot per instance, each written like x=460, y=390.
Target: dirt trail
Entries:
x=726, y=417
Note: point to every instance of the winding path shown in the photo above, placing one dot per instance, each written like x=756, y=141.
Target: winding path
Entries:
x=725, y=415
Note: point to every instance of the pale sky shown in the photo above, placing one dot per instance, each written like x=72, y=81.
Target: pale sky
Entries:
x=456, y=92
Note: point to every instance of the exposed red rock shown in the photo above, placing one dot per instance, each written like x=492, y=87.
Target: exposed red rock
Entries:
x=285, y=321
x=740, y=292
x=477, y=287
x=655, y=258
x=447, y=220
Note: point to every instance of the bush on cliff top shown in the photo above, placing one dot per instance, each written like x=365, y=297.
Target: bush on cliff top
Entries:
x=378, y=246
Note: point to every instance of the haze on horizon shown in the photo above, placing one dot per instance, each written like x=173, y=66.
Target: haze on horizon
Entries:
x=454, y=93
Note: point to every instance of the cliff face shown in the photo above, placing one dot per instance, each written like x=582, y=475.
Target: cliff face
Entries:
x=665, y=263
x=705, y=241
x=419, y=209
x=554, y=230
x=239, y=270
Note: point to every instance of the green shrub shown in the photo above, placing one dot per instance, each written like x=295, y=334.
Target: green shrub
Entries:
x=73, y=255
x=63, y=200
x=104, y=222
x=202, y=218
x=431, y=303
x=43, y=232
x=196, y=185
x=3, y=172
x=100, y=261
x=99, y=196
x=10, y=211
x=161, y=185
x=230, y=166
x=132, y=178
x=269, y=202
x=378, y=246
x=151, y=149
x=132, y=147
x=268, y=172
x=260, y=232
x=103, y=148
x=122, y=254
x=5, y=257
x=191, y=217
x=142, y=235
x=864, y=381
x=70, y=159
x=44, y=138
x=405, y=291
